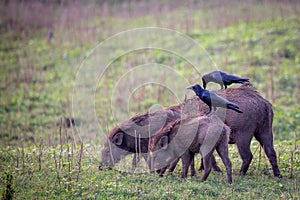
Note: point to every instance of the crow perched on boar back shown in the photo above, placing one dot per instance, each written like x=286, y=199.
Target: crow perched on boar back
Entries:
x=222, y=79
x=213, y=100
x=184, y=138
x=132, y=136
x=256, y=121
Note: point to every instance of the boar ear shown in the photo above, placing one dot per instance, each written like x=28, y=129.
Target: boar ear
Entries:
x=163, y=142
x=118, y=138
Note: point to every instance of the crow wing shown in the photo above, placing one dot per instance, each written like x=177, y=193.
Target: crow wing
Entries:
x=233, y=79
x=205, y=97
x=218, y=101
x=217, y=76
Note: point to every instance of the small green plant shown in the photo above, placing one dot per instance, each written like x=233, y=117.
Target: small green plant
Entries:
x=8, y=191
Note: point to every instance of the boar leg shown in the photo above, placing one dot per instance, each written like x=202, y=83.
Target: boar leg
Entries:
x=201, y=165
x=222, y=150
x=192, y=166
x=173, y=166
x=207, y=166
x=267, y=143
x=213, y=163
x=186, y=162
x=245, y=153
x=161, y=171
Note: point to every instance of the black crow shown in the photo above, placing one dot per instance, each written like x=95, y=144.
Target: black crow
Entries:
x=222, y=79
x=213, y=100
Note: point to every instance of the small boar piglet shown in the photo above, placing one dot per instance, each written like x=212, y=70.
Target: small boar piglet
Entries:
x=184, y=138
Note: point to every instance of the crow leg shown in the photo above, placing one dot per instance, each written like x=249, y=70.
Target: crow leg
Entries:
x=209, y=112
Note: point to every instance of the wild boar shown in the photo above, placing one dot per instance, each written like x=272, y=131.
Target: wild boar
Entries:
x=184, y=138
x=256, y=120
x=132, y=136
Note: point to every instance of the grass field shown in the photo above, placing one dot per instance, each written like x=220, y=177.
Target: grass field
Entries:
x=40, y=159
x=69, y=172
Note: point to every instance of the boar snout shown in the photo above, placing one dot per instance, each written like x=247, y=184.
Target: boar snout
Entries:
x=100, y=168
x=103, y=167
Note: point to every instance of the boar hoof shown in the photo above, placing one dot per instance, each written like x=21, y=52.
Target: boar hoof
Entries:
x=242, y=173
x=217, y=169
x=201, y=168
x=278, y=175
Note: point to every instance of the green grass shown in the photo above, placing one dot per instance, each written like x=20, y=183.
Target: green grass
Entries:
x=37, y=173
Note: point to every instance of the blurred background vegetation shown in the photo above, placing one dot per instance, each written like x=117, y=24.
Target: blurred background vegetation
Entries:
x=43, y=43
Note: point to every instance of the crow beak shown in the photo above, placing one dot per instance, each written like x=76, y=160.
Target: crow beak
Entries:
x=190, y=88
